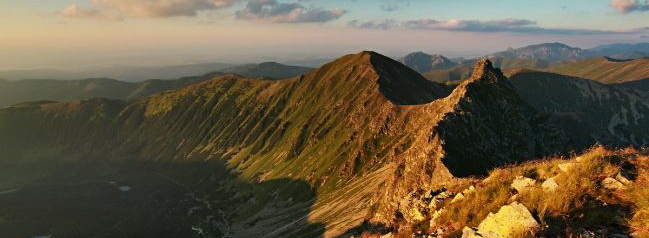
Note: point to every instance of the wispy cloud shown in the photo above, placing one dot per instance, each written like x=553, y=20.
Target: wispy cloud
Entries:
x=381, y=24
x=108, y=9
x=166, y=8
x=75, y=12
x=628, y=6
x=261, y=10
x=519, y=26
x=274, y=11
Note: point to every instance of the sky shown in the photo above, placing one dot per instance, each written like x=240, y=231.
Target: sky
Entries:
x=74, y=34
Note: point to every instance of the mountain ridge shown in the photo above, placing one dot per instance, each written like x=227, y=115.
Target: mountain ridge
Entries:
x=363, y=123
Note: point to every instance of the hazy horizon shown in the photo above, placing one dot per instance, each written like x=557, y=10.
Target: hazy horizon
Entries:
x=69, y=34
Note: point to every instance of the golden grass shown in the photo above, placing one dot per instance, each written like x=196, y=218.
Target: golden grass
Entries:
x=579, y=191
x=638, y=195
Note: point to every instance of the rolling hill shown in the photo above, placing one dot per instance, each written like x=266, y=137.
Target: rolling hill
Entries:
x=345, y=148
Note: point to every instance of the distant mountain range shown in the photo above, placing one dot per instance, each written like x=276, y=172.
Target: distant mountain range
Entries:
x=621, y=51
x=549, y=52
x=122, y=73
x=12, y=92
x=271, y=70
x=138, y=74
x=548, y=56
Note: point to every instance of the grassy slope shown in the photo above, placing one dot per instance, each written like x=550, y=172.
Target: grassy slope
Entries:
x=298, y=128
x=605, y=70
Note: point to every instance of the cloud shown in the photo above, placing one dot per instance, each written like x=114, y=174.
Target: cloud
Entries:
x=75, y=12
x=470, y=25
x=109, y=9
x=163, y=8
x=519, y=26
x=628, y=6
x=273, y=11
x=382, y=24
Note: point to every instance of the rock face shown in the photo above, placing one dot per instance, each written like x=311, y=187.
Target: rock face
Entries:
x=513, y=220
x=473, y=122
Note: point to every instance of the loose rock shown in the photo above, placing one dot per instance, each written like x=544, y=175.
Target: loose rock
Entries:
x=550, y=185
x=521, y=183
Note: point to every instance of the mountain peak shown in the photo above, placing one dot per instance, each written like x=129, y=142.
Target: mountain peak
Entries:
x=398, y=83
x=485, y=71
x=422, y=62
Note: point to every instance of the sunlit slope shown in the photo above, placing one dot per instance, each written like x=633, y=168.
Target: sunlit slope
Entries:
x=605, y=70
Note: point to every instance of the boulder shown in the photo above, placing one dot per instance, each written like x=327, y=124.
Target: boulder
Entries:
x=549, y=185
x=613, y=184
x=521, y=183
x=512, y=220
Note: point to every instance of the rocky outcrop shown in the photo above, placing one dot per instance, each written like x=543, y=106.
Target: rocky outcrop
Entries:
x=482, y=124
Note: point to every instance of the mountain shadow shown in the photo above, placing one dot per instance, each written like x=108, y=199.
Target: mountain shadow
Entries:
x=148, y=199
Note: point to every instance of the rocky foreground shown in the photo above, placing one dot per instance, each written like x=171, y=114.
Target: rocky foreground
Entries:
x=601, y=193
